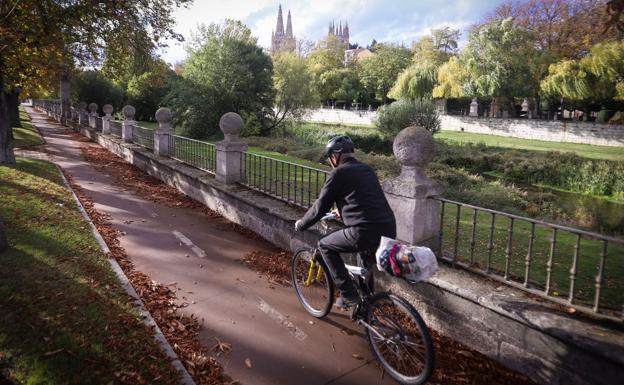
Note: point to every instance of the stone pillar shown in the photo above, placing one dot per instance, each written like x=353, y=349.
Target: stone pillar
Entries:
x=65, y=105
x=163, y=132
x=417, y=216
x=82, y=106
x=128, y=124
x=93, y=114
x=108, y=111
x=474, y=107
x=494, y=108
x=441, y=106
x=230, y=149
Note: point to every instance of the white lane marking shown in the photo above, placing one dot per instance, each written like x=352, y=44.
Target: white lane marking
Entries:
x=282, y=320
x=199, y=252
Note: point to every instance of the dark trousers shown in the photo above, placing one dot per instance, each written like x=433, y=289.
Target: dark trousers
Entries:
x=350, y=240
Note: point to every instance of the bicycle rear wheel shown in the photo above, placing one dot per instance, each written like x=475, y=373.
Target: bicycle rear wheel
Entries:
x=312, y=284
x=399, y=339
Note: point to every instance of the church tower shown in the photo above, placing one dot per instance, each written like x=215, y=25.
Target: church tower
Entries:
x=340, y=31
x=282, y=40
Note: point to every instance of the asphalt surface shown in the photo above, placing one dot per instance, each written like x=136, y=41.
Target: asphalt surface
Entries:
x=274, y=341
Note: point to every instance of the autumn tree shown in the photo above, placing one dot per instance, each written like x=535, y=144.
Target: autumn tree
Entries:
x=43, y=40
x=564, y=28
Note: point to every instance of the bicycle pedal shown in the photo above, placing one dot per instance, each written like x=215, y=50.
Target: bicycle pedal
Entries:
x=356, y=313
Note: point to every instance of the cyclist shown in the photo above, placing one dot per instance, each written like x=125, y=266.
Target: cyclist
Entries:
x=354, y=188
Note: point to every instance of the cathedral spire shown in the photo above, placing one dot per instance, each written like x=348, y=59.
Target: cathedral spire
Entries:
x=279, y=30
x=289, y=32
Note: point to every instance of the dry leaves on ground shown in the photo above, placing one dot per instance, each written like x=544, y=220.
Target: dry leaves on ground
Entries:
x=275, y=265
x=181, y=331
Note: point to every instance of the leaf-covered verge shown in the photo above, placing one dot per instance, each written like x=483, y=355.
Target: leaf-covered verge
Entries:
x=27, y=135
x=64, y=318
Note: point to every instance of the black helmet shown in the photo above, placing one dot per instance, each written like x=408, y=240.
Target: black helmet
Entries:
x=341, y=144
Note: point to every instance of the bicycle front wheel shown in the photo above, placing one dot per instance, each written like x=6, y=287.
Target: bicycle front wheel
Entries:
x=312, y=283
x=399, y=339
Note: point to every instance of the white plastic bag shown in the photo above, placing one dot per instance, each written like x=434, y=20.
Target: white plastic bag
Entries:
x=414, y=263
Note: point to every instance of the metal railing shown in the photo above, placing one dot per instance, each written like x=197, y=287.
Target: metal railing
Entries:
x=74, y=115
x=143, y=136
x=289, y=182
x=575, y=268
x=115, y=128
x=98, y=123
x=84, y=118
x=193, y=152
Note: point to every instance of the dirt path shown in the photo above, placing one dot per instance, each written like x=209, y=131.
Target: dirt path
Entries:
x=273, y=340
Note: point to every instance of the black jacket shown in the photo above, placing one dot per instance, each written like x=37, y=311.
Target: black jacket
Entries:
x=355, y=189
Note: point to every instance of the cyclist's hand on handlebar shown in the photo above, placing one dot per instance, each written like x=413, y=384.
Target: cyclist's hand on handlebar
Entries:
x=336, y=213
x=298, y=225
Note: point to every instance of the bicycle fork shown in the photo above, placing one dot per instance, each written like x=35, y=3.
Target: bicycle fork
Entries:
x=314, y=275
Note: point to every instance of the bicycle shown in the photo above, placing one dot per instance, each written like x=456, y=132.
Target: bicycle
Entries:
x=396, y=333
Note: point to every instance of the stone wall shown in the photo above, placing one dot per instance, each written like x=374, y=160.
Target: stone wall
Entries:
x=552, y=131
x=338, y=116
x=531, y=336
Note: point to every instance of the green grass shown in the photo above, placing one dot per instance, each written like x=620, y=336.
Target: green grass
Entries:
x=585, y=150
x=612, y=295
x=27, y=135
x=64, y=318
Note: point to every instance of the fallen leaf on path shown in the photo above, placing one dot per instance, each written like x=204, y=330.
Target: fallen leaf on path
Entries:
x=53, y=352
x=222, y=347
x=357, y=356
x=248, y=363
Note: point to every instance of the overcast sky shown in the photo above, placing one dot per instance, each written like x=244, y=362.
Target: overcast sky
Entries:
x=384, y=20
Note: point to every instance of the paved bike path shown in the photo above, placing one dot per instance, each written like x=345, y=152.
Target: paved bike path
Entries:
x=273, y=340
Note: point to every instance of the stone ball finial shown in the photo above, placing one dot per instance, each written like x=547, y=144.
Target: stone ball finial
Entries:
x=108, y=109
x=414, y=146
x=128, y=112
x=93, y=107
x=82, y=105
x=231, y=123
x=163, y=115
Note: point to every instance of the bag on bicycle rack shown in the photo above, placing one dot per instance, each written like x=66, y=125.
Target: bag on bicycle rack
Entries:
x=414, y=263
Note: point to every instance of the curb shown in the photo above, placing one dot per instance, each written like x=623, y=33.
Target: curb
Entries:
x=146, y=317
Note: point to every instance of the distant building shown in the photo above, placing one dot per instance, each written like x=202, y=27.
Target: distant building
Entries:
x=352, y=55
x=282, y=41
x=342, y=33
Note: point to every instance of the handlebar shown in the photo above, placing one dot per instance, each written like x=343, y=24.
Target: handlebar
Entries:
x=329, y=217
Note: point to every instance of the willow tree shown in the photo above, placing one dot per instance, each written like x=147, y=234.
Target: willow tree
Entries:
x=43, y=40
x=430, y=52
x=597, y=77
x=452, y=79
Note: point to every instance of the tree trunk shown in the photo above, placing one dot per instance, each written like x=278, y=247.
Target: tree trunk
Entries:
x=6, y=132
x=3, y=239
x=13, y=109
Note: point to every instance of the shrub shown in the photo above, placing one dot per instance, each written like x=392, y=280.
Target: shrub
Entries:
x=93, y=87
x=403, y=113
x=146, y=91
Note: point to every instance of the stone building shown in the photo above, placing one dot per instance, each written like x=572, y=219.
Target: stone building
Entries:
x=342, y=33
x=355, y=54
x=282, y=40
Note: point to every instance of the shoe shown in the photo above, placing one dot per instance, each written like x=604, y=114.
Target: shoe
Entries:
x=347, y=302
